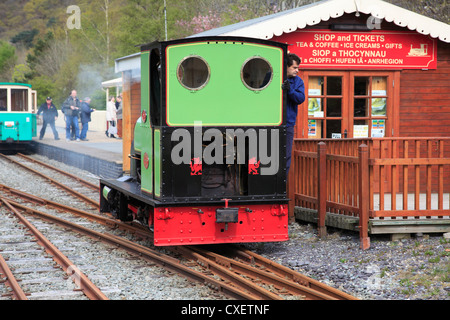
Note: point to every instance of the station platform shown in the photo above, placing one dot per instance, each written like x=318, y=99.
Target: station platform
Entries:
x=99, y=155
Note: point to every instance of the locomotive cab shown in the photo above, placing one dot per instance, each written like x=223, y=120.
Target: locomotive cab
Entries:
x=208, y=156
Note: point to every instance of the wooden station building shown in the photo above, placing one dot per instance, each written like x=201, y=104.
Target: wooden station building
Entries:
x=375, y=75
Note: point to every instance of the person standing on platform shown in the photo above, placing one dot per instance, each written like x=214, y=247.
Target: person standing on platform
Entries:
x=119, y=116
x=85, y=115
x=295, y=89
x=111, y=118
x=49, y=115
x=71, y=108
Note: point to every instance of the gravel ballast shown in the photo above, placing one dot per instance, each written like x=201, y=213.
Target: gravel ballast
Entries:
x=416, y=268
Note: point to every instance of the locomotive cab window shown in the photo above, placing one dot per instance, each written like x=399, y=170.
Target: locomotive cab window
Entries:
x=193, y=73
x=256, y=73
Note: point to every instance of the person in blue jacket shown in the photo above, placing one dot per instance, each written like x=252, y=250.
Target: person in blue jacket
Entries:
x=295, y=89
x=85, y=115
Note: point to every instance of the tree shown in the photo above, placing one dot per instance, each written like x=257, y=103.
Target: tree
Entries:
x=25, y=37
x=7, y=60
x=141, y=21
x=98, y=28
x=19, y=73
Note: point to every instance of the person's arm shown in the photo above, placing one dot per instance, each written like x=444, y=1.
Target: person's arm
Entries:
x=297, y=91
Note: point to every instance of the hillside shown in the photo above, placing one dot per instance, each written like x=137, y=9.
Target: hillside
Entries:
x=41, y=44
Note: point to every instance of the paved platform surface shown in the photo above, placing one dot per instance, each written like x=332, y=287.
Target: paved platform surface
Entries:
x=100, y=155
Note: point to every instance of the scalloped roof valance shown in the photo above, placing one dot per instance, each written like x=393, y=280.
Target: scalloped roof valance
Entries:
x=288, y=21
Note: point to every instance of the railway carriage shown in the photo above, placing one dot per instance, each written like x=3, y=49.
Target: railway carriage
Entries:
x=17, y=115
x=208, y=156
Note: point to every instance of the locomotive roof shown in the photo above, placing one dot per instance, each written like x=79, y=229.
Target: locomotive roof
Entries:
x=133, y=62
x=236, y=38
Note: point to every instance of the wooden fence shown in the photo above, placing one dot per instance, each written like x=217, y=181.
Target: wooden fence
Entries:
x=372, y=179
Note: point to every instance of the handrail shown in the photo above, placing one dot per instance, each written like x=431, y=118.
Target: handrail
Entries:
x=405, y=167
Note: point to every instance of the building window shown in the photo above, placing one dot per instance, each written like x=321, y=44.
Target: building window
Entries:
x=324, y=106
x=349, y=104
x=369, y=106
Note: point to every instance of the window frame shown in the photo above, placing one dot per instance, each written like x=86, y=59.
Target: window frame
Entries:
x=347, y=113
x=205, y=83
x=242, y=73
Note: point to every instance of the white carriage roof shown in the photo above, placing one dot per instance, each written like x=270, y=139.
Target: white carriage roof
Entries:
x=299, y=18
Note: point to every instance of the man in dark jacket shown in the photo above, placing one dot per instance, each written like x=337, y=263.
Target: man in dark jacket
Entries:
x=85, y=114
x=295, y=89
x=49, y=115
x=71, y=108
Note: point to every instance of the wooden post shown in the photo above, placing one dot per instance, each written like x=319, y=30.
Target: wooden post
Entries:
x=127, y=127
x=363, y=151
x=293, y=176
x=322, y=188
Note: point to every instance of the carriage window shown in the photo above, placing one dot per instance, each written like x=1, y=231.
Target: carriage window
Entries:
x=19, y=100
x=3, y=99
x=193, y=73
x=256, y=73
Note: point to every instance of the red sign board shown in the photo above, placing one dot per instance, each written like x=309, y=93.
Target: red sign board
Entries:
x=362, y=50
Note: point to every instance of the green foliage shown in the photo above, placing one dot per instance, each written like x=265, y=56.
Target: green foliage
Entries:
x=25, y=38
x=20, y=73
x=7, y=60
x=45, y=87
x=57, y=57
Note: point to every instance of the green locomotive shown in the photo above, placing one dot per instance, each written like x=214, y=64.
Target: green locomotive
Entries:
x=208, y=156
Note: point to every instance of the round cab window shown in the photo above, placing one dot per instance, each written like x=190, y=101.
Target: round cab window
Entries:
x=256, y=73
x=193, y=73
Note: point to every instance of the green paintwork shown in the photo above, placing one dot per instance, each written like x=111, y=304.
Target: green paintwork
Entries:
x=138, y=139
x=157, y=159
x=142, y=131
x=147, y=148
x=225, y=100
x=145, y=82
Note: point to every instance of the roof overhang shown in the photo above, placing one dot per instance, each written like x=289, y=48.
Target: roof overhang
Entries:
x=112, y=83
x=131, y=62
x=299, y=18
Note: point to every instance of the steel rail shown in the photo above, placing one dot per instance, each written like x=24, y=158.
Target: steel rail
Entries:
x=112, y=223
x=88, y=288
x=320, y=290
x=11, y=281
x=225, y=273
x=163, y=260
x=285, y=272
x=75, y=193
x=267, y=278
x=86, y=183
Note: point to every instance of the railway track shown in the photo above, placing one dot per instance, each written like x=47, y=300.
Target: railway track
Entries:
x=44, y=256
x=236, y=272
x=72, y=187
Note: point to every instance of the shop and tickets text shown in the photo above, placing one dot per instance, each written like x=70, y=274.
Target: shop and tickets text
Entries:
x=390, y=50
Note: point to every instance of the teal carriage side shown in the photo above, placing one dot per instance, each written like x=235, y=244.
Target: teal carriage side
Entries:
x=17, y=113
